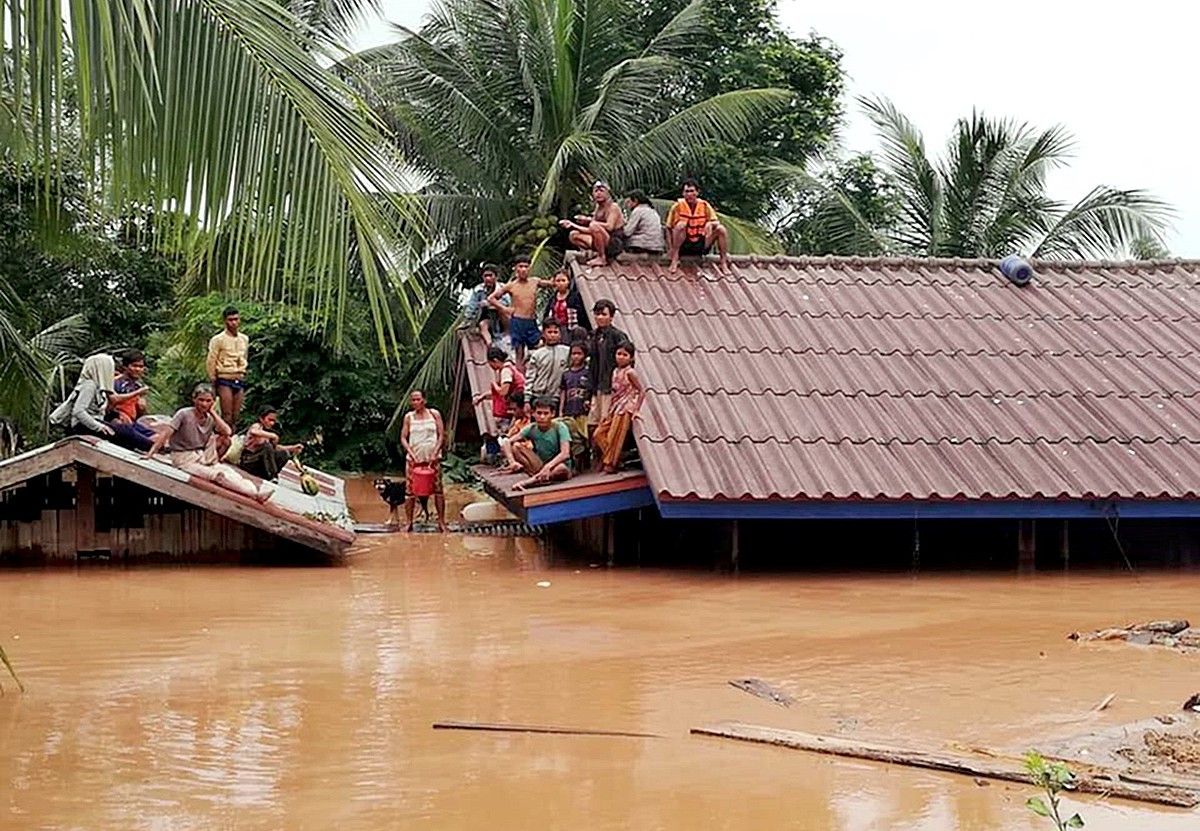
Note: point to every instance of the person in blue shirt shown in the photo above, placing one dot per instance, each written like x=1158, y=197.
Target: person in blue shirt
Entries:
x=490, y=321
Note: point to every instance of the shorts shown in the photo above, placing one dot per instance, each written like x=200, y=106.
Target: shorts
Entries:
x=694, y=248
x=616, y=244
x=232, y=383
x=600, y=403
x=524, y=331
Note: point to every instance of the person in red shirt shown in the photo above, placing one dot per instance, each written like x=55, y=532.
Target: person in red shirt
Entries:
x=565, y=306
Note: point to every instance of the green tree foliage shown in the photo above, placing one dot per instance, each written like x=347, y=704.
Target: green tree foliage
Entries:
x=337, y=402
x=61, y=263
x=221, y=117
x=986, y=197
x=513, y=108
x=746, y=46
x=812, y=223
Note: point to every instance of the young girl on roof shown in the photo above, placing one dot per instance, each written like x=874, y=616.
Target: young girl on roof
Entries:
x=627, y=397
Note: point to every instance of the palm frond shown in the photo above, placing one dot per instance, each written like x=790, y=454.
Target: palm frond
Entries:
x=333, y=20
x=921, y=190
x=845, y=230
x=219, y=114
x=655, y=158
x=1106, y=220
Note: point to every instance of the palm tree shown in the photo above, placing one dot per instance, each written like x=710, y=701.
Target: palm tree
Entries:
x=987, y=197
x=221, y=116
x=32, y=360
x=513, y=107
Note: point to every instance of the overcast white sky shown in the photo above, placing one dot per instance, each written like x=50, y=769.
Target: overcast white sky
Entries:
x=1119, y=76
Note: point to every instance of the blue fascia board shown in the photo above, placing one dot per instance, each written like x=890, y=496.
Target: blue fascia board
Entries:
x=915, y=509
x=609, y=503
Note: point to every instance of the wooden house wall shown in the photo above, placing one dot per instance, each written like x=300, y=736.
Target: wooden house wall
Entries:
x=46, y=519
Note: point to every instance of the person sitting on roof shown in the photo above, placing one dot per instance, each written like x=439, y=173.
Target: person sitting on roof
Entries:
x=82, y=413
x=127, y=403
x=191, y=442
x=262, y=454
x=644, y=228
x=626, y=402
x=603, y=231
x=523, y=328
x=694, y=228
x=566, y=306
x=547, y=457
x=507, y=383
x=547, y=362
x=490, y=321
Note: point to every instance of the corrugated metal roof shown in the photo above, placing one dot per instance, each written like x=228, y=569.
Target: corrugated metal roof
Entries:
x=913, y=379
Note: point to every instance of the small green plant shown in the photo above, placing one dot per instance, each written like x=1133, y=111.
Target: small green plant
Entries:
x=8, y=665
x=1053, y=778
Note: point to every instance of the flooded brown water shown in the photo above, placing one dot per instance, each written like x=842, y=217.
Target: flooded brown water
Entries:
x=295, y=699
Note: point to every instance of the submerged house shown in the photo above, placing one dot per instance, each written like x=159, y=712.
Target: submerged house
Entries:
x=901, y=390
x=82, y=497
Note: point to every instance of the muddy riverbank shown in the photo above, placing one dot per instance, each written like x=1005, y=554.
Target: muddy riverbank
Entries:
x=302, y=698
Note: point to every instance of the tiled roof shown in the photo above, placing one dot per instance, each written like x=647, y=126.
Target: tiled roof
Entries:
x=913, y=379
x=479, y=379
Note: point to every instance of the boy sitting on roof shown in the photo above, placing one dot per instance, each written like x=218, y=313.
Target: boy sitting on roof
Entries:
x=694, y=228
x=548, y=457
x=491, y=322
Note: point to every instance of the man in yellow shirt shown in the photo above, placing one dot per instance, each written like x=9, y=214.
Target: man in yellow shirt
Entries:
x=693, y=228
x=227, y=359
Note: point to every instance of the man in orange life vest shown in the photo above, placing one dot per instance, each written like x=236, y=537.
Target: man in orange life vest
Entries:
x=694, y=228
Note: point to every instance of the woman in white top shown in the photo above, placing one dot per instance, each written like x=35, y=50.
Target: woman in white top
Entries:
x=423, y=436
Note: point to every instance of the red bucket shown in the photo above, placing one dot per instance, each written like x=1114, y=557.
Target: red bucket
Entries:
x=421, y=479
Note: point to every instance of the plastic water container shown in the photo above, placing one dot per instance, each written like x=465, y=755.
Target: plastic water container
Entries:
x=421, y=479
x=1017, y=270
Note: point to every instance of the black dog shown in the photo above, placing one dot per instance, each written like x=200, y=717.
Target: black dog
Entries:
x=394, y=492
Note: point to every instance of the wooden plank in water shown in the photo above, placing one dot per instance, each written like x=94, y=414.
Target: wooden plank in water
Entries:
x=1009, y=770
x=537, y=728
x=760, y=688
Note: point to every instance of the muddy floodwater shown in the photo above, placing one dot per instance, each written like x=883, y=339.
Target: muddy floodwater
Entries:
x=214, y=698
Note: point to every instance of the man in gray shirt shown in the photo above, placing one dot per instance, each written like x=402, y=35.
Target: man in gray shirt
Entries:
x=544, y=370
x=643, y=228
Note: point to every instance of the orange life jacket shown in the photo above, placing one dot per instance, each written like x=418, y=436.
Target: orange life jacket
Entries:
x=696, y=218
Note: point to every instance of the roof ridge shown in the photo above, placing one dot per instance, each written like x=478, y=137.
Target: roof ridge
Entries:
x=912, y=353
x=909, y=393
x=1104, y=317
x=925, y=441
x=893, y=260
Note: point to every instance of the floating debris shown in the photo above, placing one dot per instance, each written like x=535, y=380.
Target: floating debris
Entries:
x=1173, y=634
x=760, y=688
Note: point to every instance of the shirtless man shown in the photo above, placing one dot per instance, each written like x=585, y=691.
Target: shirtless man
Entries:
x=523, y=328
x=603, y=231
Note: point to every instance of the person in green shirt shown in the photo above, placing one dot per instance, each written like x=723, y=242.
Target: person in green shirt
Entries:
x=548, y=456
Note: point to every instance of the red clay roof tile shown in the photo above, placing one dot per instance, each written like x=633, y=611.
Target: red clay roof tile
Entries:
x=922, y=379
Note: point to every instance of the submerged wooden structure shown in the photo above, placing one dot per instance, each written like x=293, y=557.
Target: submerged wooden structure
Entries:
x=86, y=498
